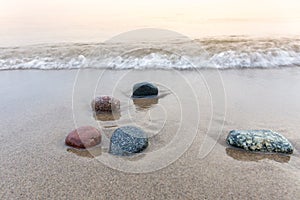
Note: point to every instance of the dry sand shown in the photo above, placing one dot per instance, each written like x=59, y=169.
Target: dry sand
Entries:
x=187, y=157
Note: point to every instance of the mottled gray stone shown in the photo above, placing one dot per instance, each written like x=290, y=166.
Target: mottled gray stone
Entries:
x=259, y=140
x=144, y=89
x=128, y=140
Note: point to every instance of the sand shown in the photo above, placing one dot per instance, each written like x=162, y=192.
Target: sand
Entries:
x=187, y=157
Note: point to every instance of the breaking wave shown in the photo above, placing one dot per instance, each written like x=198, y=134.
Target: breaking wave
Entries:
x=221, y=53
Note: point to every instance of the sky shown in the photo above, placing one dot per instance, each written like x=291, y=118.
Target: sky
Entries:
x=47, y=20
x=171, y=8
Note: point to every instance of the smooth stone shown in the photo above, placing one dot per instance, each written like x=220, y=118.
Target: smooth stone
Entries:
x=104, y=104
x=259, y=140
x=144, y=89
x=128, y=140
x=83, y=137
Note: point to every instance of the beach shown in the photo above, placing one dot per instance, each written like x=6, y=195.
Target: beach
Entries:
x=174, y=99
x=187, y=157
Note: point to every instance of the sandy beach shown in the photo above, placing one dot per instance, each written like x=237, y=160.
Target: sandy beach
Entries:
x=187, y=157
x=218, y=67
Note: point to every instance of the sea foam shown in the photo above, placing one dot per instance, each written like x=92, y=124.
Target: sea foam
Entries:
x=221, y=53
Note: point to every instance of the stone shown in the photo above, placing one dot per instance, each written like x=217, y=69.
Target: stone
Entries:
x=128, y=140
x=104, y=104
x=259, y=140
x=144, y=89
x=83, y=137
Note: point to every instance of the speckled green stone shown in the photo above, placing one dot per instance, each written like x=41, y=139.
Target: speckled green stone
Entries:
x=259, y=140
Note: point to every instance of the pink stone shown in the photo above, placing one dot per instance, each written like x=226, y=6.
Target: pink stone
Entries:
x=105, y=104
x=83, y=137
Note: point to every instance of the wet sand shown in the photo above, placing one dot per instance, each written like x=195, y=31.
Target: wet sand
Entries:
x=187, y=157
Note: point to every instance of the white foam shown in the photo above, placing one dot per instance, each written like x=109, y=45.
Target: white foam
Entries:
x=233, y=59
x=219, y=53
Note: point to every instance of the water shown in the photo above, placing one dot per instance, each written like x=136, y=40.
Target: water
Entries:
x=208, y=52
x=223, y=34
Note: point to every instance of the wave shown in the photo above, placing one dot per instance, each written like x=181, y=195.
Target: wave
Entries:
x=221, y=53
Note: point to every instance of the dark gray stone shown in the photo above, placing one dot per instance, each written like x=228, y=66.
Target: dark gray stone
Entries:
x=128, y=140
x=259, y=140
x=144, y=89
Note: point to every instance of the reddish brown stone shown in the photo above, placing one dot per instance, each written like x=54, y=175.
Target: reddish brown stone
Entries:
x=105, y=104
x=83, y=137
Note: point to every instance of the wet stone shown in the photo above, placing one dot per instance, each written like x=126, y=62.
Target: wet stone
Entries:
x=128, y=140
x=105, y=104
x=83, y=137
x=144, y=89
x=259, y=140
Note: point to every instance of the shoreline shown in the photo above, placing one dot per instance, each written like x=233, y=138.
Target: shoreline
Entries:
x=167, y=69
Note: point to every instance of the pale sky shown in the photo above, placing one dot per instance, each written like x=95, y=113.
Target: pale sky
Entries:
x=43, y=19
x=203, y=8
x=170, y=8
